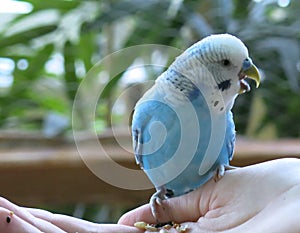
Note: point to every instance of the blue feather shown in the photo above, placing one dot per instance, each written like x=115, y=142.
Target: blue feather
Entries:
x=165, y=139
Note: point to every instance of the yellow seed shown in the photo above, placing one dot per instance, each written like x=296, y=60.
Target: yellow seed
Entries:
x=167, y=227
x=175, y=225
x=141, y=225
x=151, y=228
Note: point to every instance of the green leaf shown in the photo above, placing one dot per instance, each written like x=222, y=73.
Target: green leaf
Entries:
x=62, y=5
x=86, y=49
x=26, y=36
x=110, y=87
x=37, y=63
x=70, y=74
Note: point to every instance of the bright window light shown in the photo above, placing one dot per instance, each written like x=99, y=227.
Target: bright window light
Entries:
x=7, y=65
x=283, y=3
x=6, y=68
x=15, y=7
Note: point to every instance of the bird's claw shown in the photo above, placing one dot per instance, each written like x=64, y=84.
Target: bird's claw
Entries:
x=220, y=172
x=156, y=202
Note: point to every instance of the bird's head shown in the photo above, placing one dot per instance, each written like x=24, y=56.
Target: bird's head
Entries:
x=227, y=61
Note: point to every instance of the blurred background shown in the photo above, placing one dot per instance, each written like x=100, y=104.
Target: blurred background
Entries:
x=48, y=47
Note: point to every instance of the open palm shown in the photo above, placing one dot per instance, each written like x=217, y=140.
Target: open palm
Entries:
x=258, y=198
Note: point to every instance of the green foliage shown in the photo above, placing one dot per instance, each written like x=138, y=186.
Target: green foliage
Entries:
x=83, y=32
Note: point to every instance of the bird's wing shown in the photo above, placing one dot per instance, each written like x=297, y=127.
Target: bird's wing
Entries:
x=230, y=135
x=153, y=123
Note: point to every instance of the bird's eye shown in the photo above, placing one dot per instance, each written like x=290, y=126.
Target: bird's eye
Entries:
x=225, y=62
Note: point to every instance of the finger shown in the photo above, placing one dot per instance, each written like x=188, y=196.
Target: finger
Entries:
x=67, y=223
x=113, y=228
x=175, y=210
x=23, y=214
x=11, y=223
x=142, y=213
x=71, y=224
x=188, y=207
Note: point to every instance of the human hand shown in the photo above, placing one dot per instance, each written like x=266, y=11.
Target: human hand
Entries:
x=258, y=198
x=16, y=219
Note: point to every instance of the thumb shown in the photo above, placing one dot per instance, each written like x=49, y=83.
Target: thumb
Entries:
x=186, y=208
x=142, y=213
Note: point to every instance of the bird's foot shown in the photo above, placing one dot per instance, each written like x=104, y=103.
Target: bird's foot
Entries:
x=156, y=203
x=220, y=172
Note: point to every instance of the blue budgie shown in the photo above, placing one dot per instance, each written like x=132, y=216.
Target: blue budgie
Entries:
x=183, y=130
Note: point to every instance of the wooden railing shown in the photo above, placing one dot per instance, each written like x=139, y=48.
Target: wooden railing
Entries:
x=34, y=170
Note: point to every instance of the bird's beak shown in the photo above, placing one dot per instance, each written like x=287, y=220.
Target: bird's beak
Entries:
x=250, y=71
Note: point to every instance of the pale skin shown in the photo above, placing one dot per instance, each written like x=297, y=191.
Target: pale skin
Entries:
x=259, y=198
